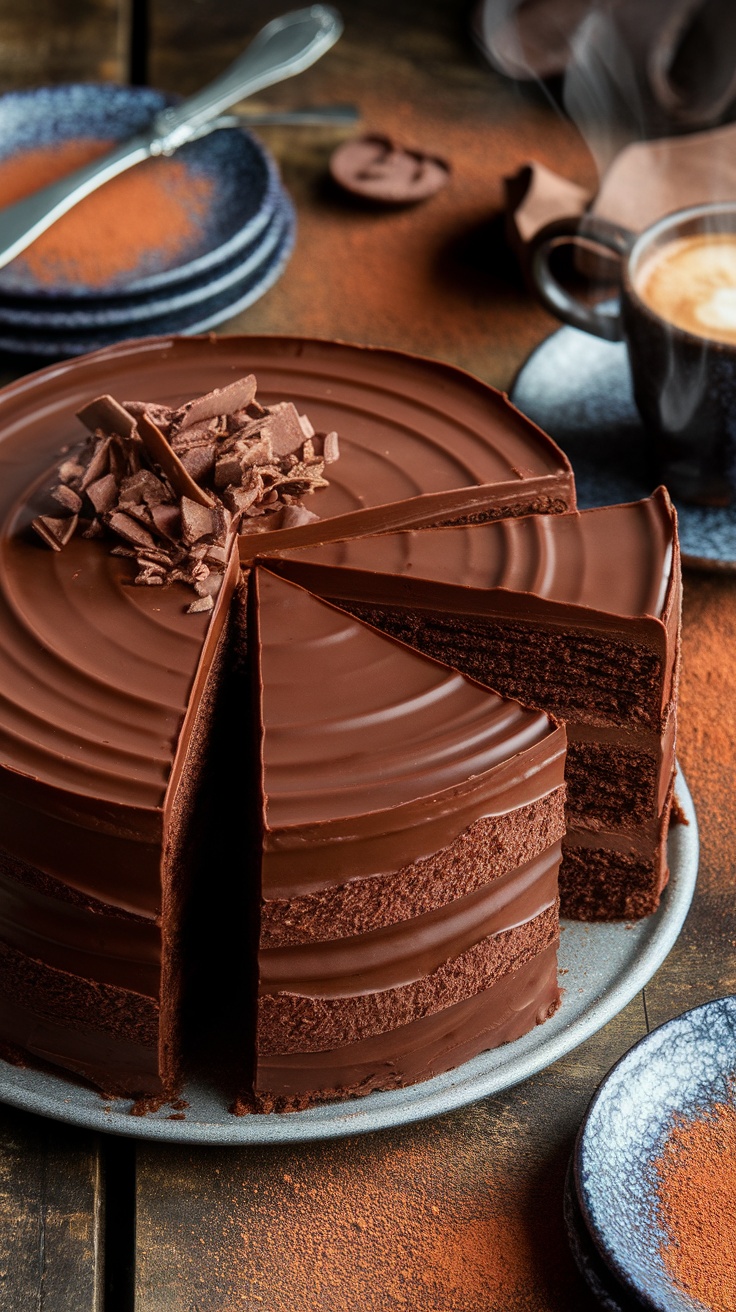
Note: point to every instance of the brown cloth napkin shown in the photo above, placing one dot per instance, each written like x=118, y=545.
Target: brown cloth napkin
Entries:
x=646, y=180
x=648, y=67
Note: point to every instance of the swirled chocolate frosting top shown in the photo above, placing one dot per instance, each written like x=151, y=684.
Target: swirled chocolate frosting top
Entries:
x=617, y=561
x=98, y=676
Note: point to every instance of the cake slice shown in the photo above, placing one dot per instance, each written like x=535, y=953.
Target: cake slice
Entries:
x=577, y=615
x=411, y=839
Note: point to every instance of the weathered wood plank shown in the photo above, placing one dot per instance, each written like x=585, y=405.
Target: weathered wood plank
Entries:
x=50, y=1216
x=462, y=1212
x=41, y=41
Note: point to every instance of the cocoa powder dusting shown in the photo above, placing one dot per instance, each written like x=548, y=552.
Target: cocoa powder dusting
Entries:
x=155, y=208
x=446, y=1219
x=705, y=745
x=696, y=1174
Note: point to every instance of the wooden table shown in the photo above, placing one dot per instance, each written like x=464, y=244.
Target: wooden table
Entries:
x=463, y=1212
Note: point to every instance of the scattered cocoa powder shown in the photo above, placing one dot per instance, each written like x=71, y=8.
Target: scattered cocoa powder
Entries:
x=705, y=744
x=696, y=1172
x=155, y=208
x=444, y=1217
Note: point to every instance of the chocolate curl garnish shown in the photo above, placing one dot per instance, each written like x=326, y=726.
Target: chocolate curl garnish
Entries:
x=106, y=414
x=142, y=471
x=161, y=453
x=55, y=532
x=223, y=401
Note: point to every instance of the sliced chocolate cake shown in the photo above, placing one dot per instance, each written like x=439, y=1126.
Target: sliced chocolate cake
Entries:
x=411, y=839
x=113, y=617
x=575, y=614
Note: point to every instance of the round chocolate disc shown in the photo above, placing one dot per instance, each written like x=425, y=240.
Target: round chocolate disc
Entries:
x=378, y=169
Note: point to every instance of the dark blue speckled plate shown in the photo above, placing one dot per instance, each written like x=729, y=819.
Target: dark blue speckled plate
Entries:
x=608, y=1291
x=578, y=389
x=681, y=1068
x=197, y=317
x=245, y=193
x=67, y=315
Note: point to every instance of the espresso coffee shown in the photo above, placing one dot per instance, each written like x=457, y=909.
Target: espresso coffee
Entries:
x=691, y=283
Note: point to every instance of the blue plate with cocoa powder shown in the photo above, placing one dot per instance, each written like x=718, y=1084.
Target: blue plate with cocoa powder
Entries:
x=637, y=1134
x=167, y=223
x=92, y=316
x=80, y=337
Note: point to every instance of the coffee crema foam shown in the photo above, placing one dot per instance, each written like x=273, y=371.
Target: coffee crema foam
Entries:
x=691, y=282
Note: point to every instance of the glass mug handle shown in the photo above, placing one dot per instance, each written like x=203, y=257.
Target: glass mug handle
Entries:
x=596, y=232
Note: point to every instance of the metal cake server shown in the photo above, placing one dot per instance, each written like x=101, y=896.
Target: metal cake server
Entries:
x=284, y=47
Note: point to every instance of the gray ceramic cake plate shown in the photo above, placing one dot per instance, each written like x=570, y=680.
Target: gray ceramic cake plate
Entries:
x=578, y=389
x=604, y=967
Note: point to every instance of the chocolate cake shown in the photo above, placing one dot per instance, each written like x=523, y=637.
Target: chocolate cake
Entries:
x=115, y=667
x=411, y=839
x=591, y=601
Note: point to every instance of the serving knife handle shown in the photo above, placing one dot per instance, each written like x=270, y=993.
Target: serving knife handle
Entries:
x=284, y=47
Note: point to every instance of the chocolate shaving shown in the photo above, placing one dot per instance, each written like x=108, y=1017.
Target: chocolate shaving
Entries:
x=295, y=516
x=330, y=449
x=143, y=487
x=130, y=530
x=196, y=521
x=67, y=498
x=220, y=402
x=55, y=532
x=103, y=493
x=199, y=461
x=202, y=603
x=106, y=414
x=167, y=521
x=159, y=414
x=228, y=470
x=70, y=470
x=283, y=428
x=159, y=451
x=99, y=462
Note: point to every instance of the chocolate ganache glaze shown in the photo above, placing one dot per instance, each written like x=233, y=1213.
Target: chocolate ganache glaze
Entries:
x=109, y=691
x=377, y=761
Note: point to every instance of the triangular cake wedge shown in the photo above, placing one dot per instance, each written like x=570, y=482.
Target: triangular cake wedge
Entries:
x=576, y=614
x=411, y=838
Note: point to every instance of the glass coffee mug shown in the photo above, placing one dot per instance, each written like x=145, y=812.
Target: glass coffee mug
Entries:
x=677, y=315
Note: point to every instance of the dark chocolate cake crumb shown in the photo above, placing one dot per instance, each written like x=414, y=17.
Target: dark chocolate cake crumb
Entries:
x=172, y=488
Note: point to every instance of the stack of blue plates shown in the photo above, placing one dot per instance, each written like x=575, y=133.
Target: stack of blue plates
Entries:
x=240, y=243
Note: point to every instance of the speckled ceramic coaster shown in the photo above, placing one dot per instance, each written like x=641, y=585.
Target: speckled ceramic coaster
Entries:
x=578, y=389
